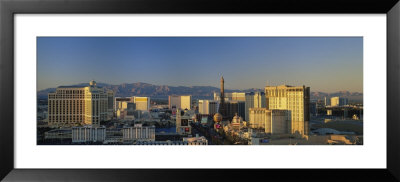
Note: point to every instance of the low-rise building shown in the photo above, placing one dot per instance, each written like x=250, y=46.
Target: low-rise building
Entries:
x=58, y=134
x=113, y=136
x=168, y=142
x=88, y=134
x=196, y=140
x=139, y=133
x=275, y=121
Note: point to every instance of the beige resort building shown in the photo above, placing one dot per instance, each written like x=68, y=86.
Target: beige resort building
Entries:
x=294, y=99
x=180, y=102
x=273, y=121
x=79, y=105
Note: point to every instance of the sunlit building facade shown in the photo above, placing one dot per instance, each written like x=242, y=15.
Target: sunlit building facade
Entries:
x=258, y=117
x=339, y=101
x=254, y=100
x=78, y=105
x=140, y=103
x=272, y=121
x=240, y=96
x=120, y=102
x=180, y=102
x=208, y=106
x=294, y=99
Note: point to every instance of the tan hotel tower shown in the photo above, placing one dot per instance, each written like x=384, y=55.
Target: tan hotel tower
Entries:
x=79, y=105
x=294, y=99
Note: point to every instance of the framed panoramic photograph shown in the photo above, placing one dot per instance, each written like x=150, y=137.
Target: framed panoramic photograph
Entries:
x=149, y=97
x=138, y=91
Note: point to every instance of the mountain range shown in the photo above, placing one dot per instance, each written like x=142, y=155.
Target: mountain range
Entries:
x=197, y=92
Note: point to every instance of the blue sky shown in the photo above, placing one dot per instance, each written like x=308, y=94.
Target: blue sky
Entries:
x=327, y=64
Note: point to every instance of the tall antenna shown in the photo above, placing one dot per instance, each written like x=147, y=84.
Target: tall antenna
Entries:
x=219, y=76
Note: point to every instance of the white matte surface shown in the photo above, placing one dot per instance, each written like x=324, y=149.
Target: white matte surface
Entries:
x=371, y=155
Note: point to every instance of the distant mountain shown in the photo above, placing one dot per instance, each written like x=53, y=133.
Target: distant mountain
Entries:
x=155, y=91
x=354, y=96
x=198, y=92
x=42, y=94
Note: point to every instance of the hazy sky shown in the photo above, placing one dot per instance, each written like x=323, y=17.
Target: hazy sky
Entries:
x=325, y=64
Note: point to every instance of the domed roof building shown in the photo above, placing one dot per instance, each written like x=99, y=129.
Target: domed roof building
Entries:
x=217, y=117
x=237, y=119
x=92, y=83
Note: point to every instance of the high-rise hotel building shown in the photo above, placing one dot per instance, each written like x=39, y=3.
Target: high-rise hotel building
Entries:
x=294, y=99
x=253, y=100
x=208, y=107
x=140, y=103
x=79, y=105
x=180, y=102
x=339, y=101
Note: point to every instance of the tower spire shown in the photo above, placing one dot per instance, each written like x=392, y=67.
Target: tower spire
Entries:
x=222, y=97
x=222, y=86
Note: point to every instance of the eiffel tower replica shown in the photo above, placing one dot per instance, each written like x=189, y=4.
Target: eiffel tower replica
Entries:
x=222, y=109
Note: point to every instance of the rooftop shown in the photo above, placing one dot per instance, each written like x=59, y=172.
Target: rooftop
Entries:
x=73, y=86
x=60, y=131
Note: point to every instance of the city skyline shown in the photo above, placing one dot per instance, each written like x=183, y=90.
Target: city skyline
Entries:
x=283, y=115
x=197, y=86
x=325, y=64
x=263, y=83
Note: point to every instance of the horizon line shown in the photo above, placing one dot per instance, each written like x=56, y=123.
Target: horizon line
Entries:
x=197, y=86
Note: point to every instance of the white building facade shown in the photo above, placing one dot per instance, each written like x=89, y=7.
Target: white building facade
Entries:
x=88, y=134
x=139, y=133
x=208, y=106
x=254, y=100
x=240, y=96
x=180, y=102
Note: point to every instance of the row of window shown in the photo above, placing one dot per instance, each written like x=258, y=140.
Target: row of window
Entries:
x=70, y=91
x=77, y=97
x=64, y=121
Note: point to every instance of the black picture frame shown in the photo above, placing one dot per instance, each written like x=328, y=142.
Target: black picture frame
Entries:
x=8, y=8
